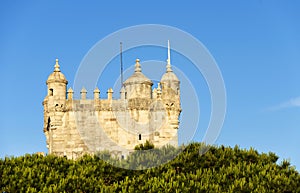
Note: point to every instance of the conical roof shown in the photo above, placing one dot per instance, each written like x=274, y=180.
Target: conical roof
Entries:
x=56, y=75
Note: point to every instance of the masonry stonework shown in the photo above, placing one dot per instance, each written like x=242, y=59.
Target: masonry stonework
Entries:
x=74, y=127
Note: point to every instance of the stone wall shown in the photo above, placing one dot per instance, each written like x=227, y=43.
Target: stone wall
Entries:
x=88, y=126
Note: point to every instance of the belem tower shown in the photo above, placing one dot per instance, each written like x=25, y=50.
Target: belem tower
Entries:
x=74, y=127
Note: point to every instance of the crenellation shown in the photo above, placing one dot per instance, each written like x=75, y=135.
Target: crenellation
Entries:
x=70, y=93
x=83, y=93
x=96, y=93
x=109, y=94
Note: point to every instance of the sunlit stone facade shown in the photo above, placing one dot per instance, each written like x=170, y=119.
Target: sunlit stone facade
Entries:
x=143, y=112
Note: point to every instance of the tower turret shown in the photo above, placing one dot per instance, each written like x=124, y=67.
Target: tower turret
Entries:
x=171, y=96
x=138, y=85
x=169, y=81
x=54, y=103
x=57, y=86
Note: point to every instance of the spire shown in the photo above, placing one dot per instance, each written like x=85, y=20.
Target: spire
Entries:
x=56, y=66
x=169, y=69
x=137, y=66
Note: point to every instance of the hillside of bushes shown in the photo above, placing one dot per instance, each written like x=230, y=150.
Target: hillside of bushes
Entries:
x=198, y=168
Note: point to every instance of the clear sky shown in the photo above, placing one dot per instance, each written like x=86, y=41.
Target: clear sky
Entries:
x=256, y=45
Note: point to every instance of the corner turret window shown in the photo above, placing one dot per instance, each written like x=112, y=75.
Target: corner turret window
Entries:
x=48, y=124
x=51, y=92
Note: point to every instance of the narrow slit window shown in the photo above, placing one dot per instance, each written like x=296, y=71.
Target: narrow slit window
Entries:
x=140, y=137
x=51, y=92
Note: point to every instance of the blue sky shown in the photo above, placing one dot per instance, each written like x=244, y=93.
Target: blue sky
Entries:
x=256, y=45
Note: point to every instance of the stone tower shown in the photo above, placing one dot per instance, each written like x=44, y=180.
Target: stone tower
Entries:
x=54, y=103
x=171, y=97
x=74, y=127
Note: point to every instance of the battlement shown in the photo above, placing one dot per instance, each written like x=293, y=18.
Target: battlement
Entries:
x=109, y=103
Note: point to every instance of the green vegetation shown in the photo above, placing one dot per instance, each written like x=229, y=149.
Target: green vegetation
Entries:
x=220, y=169
x=148, y=145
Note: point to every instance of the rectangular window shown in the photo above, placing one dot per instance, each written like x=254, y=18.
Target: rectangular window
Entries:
x=140, y=137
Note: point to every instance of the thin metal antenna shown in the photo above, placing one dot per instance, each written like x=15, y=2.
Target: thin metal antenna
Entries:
x=121, y=61
x=169, y=69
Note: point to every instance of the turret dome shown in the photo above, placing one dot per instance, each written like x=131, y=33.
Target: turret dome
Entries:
x=138, y=77
x=169, y=77
x=56, y=75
